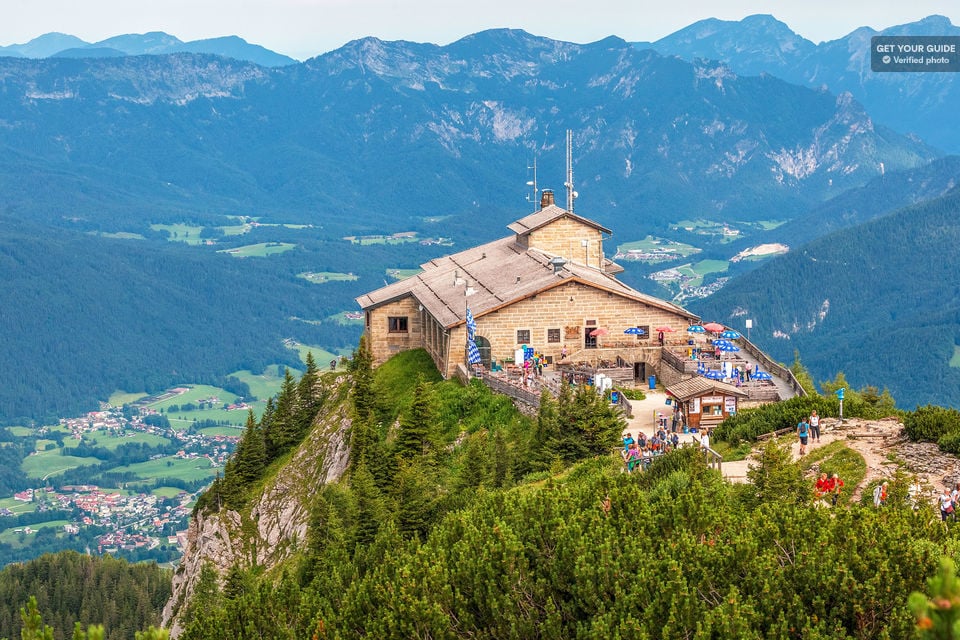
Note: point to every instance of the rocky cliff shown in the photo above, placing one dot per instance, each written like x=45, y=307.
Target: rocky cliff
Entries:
x=274, y=524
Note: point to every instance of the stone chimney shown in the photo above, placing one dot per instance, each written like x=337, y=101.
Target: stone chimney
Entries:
x=546, y=198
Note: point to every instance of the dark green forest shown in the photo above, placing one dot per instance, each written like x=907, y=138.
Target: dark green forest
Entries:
x=84, y=316
x=70, y=588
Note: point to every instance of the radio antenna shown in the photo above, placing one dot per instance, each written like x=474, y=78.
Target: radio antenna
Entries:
x=534, y=196
x=571, y=194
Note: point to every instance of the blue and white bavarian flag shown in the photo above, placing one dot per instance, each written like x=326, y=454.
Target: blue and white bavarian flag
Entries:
x=471, y=326
x=473, y=354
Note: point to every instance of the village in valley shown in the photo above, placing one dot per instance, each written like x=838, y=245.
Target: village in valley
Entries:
x=141, y=507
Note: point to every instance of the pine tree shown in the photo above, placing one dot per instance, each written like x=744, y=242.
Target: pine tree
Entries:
x=362, y=431
x=309, y=399
x=416, y=437
x=370, y=507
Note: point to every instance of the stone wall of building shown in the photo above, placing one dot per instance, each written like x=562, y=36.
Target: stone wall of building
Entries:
x=564, y=237
x=568, y=309
x=385, y=343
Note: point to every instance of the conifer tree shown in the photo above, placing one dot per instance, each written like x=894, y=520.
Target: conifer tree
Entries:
x=417, y=425
x=414, y=491
x=362, y=431
x=284, y=431
x=370, y=507
x=308, y=396
x=546, y=435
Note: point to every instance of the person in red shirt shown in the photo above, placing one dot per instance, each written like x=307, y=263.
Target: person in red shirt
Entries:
x=836, y=486
x=823, y=486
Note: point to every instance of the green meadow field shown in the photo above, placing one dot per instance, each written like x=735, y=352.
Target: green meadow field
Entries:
x=259, y=250
x=170, y=467
x=51, y=463
x=189, y=234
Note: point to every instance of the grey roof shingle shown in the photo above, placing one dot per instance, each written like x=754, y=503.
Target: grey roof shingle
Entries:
x=500, y=272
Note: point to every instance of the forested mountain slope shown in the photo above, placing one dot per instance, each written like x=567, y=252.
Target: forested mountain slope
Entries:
x=879, y=301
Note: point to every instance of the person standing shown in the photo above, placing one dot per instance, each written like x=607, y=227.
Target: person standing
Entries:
x=946, y=505
x=814, y=426
x=880, y=495
x=836, y=486
x=803, y=432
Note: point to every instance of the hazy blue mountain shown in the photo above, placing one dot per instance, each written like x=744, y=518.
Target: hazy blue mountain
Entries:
x=879, y=301
x=919, y=103
x=656, y=139
x=89, y=52
x=43, y=46
x=152, y=43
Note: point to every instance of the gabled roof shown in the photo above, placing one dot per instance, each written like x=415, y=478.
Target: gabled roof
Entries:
x=500, y=273
x=698, y=386
x=547, y=215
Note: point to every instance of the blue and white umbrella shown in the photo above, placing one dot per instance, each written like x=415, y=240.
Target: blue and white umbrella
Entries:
x=634, y=331
x=762, y=375
x=696, y=328
x=728, y=348
x=730, y=334
x=714, y=374
x=722, y=343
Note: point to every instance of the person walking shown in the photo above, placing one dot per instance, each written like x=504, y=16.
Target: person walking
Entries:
x=814, y=421
x=803, y=432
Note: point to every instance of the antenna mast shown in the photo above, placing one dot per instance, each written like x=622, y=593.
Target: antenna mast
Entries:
x=535, y=196
x=571, y=194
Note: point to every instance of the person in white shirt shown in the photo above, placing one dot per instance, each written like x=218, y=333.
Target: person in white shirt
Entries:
x=814, y=422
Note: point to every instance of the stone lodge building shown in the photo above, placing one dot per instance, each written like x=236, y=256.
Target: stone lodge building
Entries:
x=547, y=286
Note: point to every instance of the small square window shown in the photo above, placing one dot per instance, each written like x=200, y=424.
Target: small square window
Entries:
x=553, y=335
x=645, y=332
x=397, y=324
x=523, y=336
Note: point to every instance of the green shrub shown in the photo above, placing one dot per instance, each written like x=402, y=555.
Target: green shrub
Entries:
x=932, y=423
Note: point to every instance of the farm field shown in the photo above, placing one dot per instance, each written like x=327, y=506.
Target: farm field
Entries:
x=166, y=492
x=186, y=469
x=264, y=385
x=656, y=249
x=189, y=234
x=12, y=536
x=400, y=274
x=50, y=463
x=321, y=277
x=16, y=506
x=110, y=442
x=259, y=250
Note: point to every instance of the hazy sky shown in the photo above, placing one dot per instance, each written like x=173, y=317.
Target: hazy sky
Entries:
x=305, y=28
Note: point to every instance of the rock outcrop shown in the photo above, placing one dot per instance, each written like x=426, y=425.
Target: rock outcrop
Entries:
x=275, y=525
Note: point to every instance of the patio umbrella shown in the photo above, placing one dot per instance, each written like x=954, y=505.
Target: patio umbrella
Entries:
x=696, y=328
x=633, y=331
x=664, y=329
x=720, y=342
x=730, y=334
x=713, y=327
x=713, y=374
x=729, y=348
x=599, y=331
x=762, y=375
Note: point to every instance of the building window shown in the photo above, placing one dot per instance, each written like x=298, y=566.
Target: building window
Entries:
x=397, y=324
x=553, y=335
x=523, y=336
x=645, y=328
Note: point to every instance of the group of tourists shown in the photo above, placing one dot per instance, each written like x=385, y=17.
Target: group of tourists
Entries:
x=640, y=452
x=829, y=488
x=808, y=429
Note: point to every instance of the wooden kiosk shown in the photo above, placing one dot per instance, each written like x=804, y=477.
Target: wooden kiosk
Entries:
x=705, y=403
